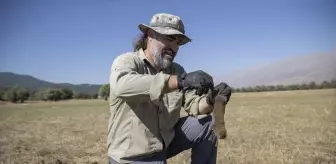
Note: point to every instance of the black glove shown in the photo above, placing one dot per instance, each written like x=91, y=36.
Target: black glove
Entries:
x=211, y=97
x=224, y=90
x=198, y=80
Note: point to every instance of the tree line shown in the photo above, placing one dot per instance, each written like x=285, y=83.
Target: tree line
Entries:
x=303, y=86
x=17, y=94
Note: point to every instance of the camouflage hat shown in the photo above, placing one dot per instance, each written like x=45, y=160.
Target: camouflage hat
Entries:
x=166, y=24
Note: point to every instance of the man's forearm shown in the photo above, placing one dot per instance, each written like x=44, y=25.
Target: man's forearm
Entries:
x=132, y=86
x=127, y=83
x=197, y=105
x=204, y=107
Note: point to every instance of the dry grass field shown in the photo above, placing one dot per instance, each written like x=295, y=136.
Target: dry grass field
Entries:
x=263, y=128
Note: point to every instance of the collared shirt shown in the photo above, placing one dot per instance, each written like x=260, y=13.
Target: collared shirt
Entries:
x=143, y=115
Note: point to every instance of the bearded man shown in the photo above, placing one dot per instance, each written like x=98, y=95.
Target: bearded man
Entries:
x=148, y=91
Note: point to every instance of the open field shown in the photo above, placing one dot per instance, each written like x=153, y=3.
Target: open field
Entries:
x=275, y=127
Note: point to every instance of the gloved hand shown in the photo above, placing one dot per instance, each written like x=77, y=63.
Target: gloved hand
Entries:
x=198, y=80
x=221, y=89
x=211, y=97
x=224, y=90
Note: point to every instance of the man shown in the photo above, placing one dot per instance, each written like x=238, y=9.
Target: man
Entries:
x=148, y=90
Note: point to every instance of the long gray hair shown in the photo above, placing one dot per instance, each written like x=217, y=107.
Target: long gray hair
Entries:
x=140, y=42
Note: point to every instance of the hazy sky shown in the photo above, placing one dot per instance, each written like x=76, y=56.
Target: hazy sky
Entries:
x=76, y=40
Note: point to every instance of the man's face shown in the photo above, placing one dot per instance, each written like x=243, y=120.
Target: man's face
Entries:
x=164, y=49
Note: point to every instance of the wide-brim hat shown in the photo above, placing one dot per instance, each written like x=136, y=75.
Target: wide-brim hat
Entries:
x=166, y=24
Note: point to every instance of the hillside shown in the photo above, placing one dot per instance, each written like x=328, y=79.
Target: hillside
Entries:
x=292, y=70
x=8, y=79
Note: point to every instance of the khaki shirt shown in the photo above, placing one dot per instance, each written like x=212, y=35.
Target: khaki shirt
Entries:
x=143, y=117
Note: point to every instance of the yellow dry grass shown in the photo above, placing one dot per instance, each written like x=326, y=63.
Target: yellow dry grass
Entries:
x=264, y=128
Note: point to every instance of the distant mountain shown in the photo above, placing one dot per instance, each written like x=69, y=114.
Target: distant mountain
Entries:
x=8, y=79
x=292, y=70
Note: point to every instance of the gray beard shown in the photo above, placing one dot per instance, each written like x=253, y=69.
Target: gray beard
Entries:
x=161, y=61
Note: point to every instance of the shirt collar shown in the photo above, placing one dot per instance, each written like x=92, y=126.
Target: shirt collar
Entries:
x=144, y=58
x=142, y=54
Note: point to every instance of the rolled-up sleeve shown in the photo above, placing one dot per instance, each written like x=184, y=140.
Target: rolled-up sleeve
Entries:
x=128, y=84
x=191, y=102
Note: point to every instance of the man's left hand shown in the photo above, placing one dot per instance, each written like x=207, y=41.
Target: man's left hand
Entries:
x=224, y=90
x=221, y=89
x=211, y=97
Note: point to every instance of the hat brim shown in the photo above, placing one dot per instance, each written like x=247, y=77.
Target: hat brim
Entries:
x=165, y=31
